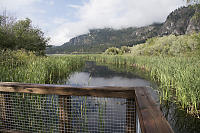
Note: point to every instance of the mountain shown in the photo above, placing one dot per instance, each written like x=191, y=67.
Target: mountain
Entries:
x=98, y=40
x=181, y=21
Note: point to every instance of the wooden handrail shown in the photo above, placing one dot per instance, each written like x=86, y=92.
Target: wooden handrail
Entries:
x=150, y=117
x=106, y=91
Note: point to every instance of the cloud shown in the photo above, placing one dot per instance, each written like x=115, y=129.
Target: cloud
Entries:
x=66, y=31
x=51, y=3
x=89, y=14
x=59, y=20
x=116, y=14
x=74, y=6
x=21, y=8
x=16, y=4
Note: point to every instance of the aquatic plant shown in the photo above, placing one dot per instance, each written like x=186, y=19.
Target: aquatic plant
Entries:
x=26, y=67
x=178, y=78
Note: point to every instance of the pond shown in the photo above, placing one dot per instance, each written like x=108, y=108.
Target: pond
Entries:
x=101, y=75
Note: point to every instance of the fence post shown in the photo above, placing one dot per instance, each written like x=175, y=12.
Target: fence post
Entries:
x=130, y=116
x=65, y=113
x=2, y=109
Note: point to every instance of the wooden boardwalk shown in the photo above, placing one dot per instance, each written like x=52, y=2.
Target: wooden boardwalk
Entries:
x=150, y=117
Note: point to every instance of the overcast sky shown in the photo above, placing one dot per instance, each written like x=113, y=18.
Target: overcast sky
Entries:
x=63, y=19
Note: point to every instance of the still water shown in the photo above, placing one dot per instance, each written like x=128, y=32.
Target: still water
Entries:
x=100, y=75
x=102, y=114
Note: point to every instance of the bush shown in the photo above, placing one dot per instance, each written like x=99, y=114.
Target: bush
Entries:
x=113, y=51
x=117, y=51
x=125, y=49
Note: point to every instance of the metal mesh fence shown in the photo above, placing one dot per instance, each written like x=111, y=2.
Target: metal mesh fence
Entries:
x=72, y=114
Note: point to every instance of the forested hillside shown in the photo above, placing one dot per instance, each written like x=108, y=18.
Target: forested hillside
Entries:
x=181, y=21
x=97, y=40
x=171, y=45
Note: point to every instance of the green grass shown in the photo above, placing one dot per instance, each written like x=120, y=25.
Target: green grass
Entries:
x=178, y=78
x=20, y=66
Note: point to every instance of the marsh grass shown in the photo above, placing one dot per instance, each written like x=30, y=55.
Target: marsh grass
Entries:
x=178, y=78
x=26, y=67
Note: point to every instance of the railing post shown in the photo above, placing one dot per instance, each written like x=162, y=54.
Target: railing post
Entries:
x=130, y=116
x=2, y=109
x=65, y=113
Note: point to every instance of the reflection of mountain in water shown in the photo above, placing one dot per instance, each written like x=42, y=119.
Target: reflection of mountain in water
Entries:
x=96, y=75
x=85, y=79
x=104, y=71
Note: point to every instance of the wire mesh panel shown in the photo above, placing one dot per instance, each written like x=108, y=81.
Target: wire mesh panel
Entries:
x=76, y=114
x=29, y=112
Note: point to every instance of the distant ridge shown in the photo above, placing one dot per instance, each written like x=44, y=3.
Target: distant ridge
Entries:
x=181, y=21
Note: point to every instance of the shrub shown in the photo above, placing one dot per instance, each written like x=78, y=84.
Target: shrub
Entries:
x=113, y=51
x=125, y=49
x=117, y=51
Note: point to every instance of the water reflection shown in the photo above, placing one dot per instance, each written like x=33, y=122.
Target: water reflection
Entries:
x=180, y=121
x=85, y=79
x=94, y=75
x=99, y=75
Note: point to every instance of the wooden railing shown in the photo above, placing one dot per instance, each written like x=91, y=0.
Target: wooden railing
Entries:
x=150, y=117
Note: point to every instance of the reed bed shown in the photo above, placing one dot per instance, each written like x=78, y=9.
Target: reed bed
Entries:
x=178, y=78
x=26, y=67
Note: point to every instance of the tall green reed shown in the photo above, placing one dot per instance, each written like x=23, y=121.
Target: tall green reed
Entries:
x=21, y=66
x=178, y=78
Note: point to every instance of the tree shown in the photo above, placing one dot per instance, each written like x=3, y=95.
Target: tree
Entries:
x=29, y=37
x=194, y=1
x=21, y=34
x=7, y=36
